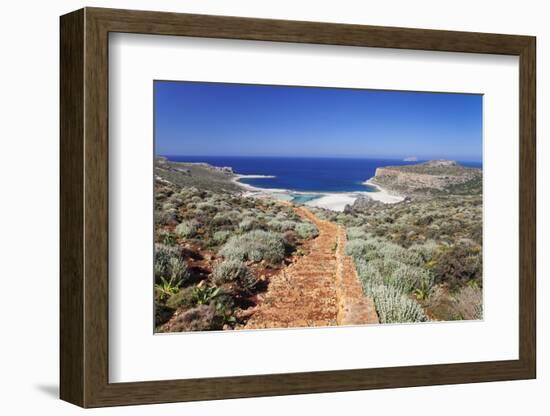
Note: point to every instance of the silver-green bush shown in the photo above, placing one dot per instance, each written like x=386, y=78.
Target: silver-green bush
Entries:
x=247, y=224
x=398, y=253
x=408, y=278
x=368, y=272
x=169, y=265
x=186, y=229
x=361, y=249
x=221, y=236
x=222, y=218
x=281, y=225
x=306, y=230
x=234, y=271
x=255, y=245
x=426, y=250
x=206, y=206
x=354, y=233
x=166, y=217
x=393, y=306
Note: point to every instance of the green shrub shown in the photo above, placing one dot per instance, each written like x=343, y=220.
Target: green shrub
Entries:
x=386, y=266
x=169, y=283
x=358, y=248
x=248, y=224
x=168, y=206
x=286, y=213
x=204, y=295
x=307, y=230
x=368, y=272
x=393, y=306
x=221, y=219
x=426, y=251
x=186, y=229
x=281, y=225
x=166, y=217
x=324, y=214
x=234, y=271
x=177, y=200
x=210, y=295
x=354, y=233
x=169, y=265
x=458, y=264
x=407, y=279
x=200, y=318
x=205, y=206
x=182, y=298
x=398, y=253
x=221, y=236
x=255, y=245
x=167, y=238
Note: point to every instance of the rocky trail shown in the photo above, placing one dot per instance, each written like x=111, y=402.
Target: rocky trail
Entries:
x=319, y=288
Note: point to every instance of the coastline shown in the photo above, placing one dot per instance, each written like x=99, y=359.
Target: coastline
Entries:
x=334, y=201
x=382, y=194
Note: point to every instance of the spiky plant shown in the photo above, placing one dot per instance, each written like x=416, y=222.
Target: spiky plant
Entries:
x=234, y=271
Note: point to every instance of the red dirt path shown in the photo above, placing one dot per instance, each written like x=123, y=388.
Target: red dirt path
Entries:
x=320, y=288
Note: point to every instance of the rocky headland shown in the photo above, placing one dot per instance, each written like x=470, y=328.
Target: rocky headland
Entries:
x=435, y=176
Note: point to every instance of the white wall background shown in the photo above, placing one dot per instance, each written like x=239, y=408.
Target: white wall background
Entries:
x=29, y=84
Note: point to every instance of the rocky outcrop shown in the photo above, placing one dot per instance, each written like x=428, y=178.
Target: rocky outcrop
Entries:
x=419, y=180
x=435, y=174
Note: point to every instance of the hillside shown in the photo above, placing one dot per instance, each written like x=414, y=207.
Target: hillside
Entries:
x=433, y=177
x=199, y=175
x=227, y=260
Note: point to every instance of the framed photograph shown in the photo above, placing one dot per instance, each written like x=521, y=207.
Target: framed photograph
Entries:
x=255, y=207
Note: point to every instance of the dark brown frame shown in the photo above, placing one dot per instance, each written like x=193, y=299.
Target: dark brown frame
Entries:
x=84, y=208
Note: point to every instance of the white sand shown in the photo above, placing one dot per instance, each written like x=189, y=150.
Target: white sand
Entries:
x=337, y=202
x=332, y=201
x=237, y=177
x=382, y=195
x=255, y=191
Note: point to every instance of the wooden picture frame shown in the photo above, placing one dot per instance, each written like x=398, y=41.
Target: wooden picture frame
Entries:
x=84, y=207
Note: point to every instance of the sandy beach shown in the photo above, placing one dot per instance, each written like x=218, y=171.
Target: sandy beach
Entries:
x=338, y=201
x=383, y=195
x=332, y=201
x=237, y=179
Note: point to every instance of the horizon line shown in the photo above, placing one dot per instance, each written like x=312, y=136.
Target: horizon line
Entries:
x=418, y=159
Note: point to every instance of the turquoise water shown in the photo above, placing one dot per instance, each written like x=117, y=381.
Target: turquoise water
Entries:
x=302, y=199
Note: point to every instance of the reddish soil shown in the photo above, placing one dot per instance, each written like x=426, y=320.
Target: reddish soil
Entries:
x=320, y=288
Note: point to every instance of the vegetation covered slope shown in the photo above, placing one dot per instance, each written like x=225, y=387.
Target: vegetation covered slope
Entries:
x=200, y=175
x=420, y=259
x=215, y=251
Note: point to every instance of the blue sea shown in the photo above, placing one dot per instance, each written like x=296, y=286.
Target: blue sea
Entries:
x=311, y=175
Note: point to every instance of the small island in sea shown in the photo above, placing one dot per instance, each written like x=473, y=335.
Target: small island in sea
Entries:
x=308, y=240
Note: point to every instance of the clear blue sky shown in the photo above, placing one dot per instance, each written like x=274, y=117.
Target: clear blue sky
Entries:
x=217, y=119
